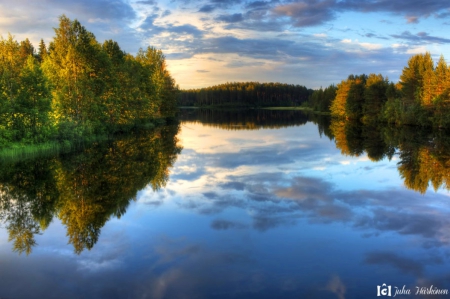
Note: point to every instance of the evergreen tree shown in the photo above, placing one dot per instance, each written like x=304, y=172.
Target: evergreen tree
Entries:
x=42, y=51
x=412, y=79
x=375, y=96
x=355, y=97
x=441, y=76
x=26, y=49
x=428, y=80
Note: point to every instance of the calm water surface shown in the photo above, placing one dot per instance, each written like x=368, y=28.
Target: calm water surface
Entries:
x=230, y=205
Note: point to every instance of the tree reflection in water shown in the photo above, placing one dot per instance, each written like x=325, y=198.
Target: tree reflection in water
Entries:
x=423, y=154
x=85, y=189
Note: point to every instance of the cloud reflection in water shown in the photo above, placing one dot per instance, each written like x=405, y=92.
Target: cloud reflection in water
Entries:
x=294, y=222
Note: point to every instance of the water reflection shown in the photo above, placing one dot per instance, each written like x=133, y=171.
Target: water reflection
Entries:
x=276, y=212
x=350, y=213
x=251, y=119
x=423, y=154
x=84, y=190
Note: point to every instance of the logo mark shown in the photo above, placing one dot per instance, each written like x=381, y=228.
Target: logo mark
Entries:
x=384, y=290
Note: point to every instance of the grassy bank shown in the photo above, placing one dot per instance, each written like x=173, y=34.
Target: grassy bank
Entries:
x=20, y=151
x=288, y=108
x=17, y=151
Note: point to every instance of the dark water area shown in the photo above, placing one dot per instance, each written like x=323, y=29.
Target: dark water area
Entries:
x=232, y=204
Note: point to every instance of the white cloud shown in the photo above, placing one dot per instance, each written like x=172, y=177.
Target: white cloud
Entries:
x=371, y=46
x=321, y=168
x=417, y=50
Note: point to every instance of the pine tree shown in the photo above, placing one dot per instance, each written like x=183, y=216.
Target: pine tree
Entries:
x=374, y=96
x=428, y=80
x=355, y=97
x=417, y=80
x=42, y=51
x=441, y=76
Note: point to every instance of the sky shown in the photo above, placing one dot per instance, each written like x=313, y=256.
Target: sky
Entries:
x=207, y=42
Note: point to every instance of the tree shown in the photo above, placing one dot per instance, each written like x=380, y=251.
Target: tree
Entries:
x=441, y=76
x=10, y=67
x=412, y=79
x=26, y=49
x=355, y=97
x=428, y=81
x=33, y=103
x=392, y=110
x=77, y=67
x=338, y=106
x=375, y=96
x=42, y=51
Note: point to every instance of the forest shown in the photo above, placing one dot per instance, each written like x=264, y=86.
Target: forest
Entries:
x=246, y=94
x=78, y=89
x=421, y=97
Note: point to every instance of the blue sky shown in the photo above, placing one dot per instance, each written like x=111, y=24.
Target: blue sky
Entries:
x=206, y=42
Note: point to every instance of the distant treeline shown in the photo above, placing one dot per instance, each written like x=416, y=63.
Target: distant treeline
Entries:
x=246, y=94
x=78, y=88
x=422, y=97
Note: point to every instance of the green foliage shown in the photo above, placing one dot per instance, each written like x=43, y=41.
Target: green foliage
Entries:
x=411, y=78
x=442, y=76
x=441, y=103
x=78, y=88
x=428, y=86
x=320, y=100
x=420, y=98
x=375, y=97
x=392, y=111
x=355, y=97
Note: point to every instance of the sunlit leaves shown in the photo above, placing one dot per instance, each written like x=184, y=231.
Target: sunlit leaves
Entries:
x=78, y=89
x=338, y=105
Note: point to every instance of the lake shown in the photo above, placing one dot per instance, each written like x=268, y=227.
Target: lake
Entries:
x=232, y=204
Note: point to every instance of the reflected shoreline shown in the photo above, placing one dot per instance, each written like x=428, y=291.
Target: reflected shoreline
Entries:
x=422, y=151
x=83, y=189
x=315, y=208
x=88, y=188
